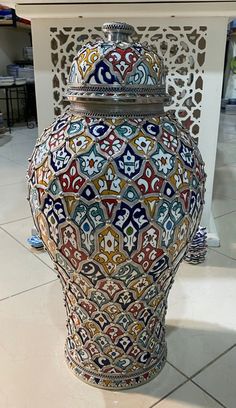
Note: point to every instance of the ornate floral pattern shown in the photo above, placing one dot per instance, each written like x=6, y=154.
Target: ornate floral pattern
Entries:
x=116, y=201
x=121, y=252
x=91, y=163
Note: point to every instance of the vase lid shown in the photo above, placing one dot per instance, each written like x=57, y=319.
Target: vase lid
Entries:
x=117, y=72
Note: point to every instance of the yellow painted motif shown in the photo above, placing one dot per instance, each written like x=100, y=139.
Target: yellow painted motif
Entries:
x=109, y=183
x=181, y=238
x=48, y=242
x=143, y=144
x=154, y=62
x=181, y=178
x=86, y=60
x=80, y=143
x=136, y=328
x=43, y=175
x=151, y=203
x=109, y=254
x=140, y=285
x=92, y=327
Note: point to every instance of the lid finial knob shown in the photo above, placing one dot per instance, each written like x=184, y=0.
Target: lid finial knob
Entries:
x=117, y=31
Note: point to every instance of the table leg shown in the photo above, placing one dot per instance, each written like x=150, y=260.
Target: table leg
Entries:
x=8, y=110
x=11, y=105
x=18, y=105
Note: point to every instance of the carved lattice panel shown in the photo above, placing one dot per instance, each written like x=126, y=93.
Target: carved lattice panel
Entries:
x=182, y=47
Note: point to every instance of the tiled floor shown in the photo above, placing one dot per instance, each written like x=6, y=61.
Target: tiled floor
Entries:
x=201, y=368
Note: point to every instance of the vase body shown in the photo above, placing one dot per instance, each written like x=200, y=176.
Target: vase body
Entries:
x=116, y=199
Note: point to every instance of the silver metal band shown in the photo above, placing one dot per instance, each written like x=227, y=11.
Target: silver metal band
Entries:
x=123, y=111
x=119, y=99
x=111, y=88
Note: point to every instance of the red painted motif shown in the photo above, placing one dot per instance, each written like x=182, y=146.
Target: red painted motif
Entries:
x=57, y=139
x=114, y=331
x=110, y=287
x=69, y=248
x=149, y=251
x=109, y=204
x=88, y=306
x=184, y=195
x=149, y=182
x=136, y=308
x=111, y=144
x=71, y=181
x=123, y=60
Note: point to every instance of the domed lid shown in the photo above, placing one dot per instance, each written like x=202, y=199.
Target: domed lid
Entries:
x=117, y=75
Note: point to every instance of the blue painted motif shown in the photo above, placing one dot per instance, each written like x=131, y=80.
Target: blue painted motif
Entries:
x=98, y=129
x=142, y=76
x=60, y=159
x=131, y=194
x=186, y=154
x=102, y=75
x=168, y=216
x=88, y=193
x=129, y=221
x=151, y=128
x=75, y=128
x=169, y=127
x=91, y=163
x=129, y=163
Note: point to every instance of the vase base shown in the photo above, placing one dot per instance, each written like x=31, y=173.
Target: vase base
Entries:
x=116, y=382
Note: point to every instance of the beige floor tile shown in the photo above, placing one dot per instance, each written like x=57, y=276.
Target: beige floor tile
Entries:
x=227, y=133
x=200, y=321
x=226, y=154
x=20, y=270
x=21, y=230
x=10, y=172
x=13, y=205
x=221, y=206
x=19, y=152
x=227, y=128
x=33, y=371
x=219, y=379
x=188, y=396
x=226, y=227
x=225, y=182
x=18, y=145
x=18, y=134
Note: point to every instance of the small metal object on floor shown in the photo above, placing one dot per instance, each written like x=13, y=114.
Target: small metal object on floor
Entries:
x=34, y=240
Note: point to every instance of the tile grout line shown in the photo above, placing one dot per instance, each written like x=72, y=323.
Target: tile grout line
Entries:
x=11, y=222
x=227, y=197
x=205, y=366
x=180, y=386
x=32, y=253
x=28, y=290
x=222, y=215
x=221, y=253
x=177, y=369
x=169, y=393
x=213, y=361
x=208, y=393
x=231, y=164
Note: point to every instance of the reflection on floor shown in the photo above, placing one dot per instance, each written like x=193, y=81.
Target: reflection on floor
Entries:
x=201, y=368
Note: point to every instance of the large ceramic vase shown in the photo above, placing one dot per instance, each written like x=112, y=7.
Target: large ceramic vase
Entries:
x=116, y=189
